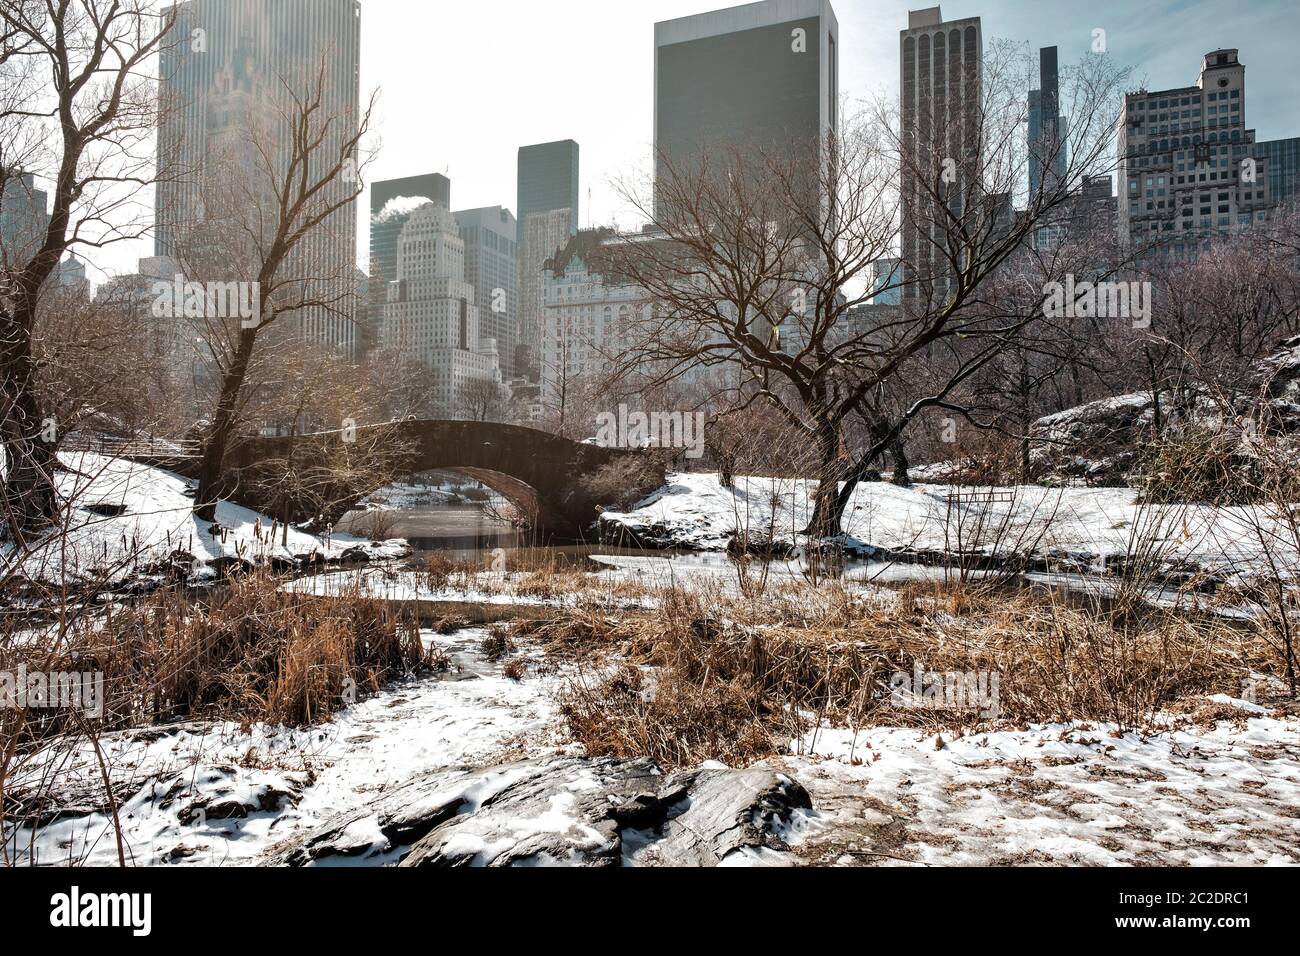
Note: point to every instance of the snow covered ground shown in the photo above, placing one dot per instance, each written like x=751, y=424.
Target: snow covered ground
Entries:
x=1044, y=794
x=1064, y=794
x=1085, y=525
x=622, y=582
x=402, y=495
x=488, y=588
x=215, y=795
x=124, y=518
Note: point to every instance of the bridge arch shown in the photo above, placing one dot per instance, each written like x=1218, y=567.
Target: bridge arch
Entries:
x=539, y=470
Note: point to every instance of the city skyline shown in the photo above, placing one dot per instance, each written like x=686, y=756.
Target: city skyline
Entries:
x=613, y=121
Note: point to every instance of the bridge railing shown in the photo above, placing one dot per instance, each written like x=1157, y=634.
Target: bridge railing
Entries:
x=134, y=447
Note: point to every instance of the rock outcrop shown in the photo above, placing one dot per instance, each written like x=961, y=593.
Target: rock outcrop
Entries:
x=560, y=810
x=1103, y=442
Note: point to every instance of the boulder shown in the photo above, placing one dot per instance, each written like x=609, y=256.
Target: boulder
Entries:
x=1096, y=443
x=1102, y=442
x=564, y=810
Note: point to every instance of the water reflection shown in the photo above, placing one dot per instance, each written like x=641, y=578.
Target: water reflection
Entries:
x=469, y=531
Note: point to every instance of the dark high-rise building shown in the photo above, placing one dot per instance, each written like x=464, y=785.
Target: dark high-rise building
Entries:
x=222, y=91
x=548, y=180
x=1281, y=163
x=1047, y=127
x=492, y=268
x=23, y=218
x=433, y=187
x=763, y=74
x=548, y=215
x=940, y=90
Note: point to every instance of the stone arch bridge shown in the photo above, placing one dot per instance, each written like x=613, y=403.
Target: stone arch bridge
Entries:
x=541, y=473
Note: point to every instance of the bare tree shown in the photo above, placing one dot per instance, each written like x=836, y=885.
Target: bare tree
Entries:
x=481, y=400
x=408, y=386
x=302, y=169
x=76, y=108
x=759, y=263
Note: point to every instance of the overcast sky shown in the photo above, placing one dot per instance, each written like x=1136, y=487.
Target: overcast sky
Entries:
x=464, y=83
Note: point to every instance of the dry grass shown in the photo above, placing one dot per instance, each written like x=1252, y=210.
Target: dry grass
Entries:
x=247, y=653
x=497, y=644
x=515, y=670
x=736, y=679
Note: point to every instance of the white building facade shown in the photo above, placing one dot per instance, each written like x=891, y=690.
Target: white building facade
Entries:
x=431, y=315
x=586, y=320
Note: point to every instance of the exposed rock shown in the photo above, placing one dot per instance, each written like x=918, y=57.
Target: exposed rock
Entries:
x=758, y=543
x=564, y=810
x=354, y=555
x=1278, y=376
x=1097, y=443
x=560, y=809
x=627, y=534
x=1102, y=442
x=727, y=811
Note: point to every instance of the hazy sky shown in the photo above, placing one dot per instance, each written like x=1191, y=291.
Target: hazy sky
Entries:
x=464, y=83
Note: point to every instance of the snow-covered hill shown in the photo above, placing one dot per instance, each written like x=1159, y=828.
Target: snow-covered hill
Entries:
x=125, y=521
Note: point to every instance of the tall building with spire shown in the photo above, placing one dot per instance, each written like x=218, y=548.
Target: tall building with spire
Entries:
x=1048, y=129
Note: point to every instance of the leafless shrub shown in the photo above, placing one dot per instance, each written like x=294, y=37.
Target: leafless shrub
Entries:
x=496, y=645
x=515, y=670
x=623, y=482
x=1200, y=465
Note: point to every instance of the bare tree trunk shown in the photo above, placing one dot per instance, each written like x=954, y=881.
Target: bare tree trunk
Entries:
x=218, y=438
x=825, y=521
x=30, y=499
x=901, y=477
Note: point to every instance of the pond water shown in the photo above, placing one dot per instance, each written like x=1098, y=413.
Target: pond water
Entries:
x=470, y=530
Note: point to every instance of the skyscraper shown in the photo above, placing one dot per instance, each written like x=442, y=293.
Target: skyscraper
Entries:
x=391, y=203
x=222, y=99
x=1048, y=131
x=940, y=89
x=24, y=219
x=885, y=276
x=432, y=187
x=1189, y=168
x=492, y=268
x=548, y=186
x=1282, y=164
x=71, y=276
x=431, y=315
x=764, y=74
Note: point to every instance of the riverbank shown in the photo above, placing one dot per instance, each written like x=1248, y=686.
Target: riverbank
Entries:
x=1050, y=529
x=131, y=526
x=534, y=706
